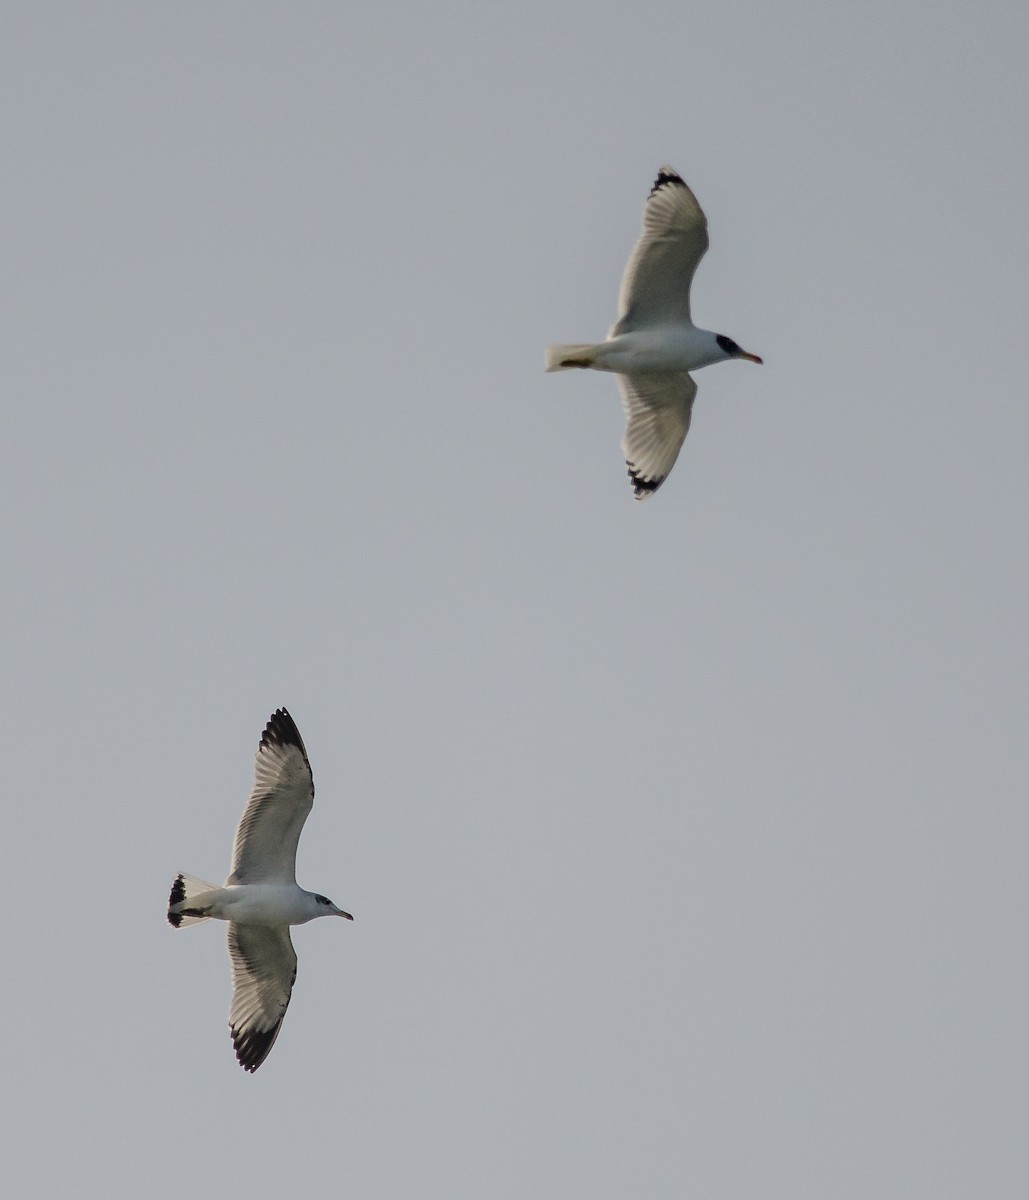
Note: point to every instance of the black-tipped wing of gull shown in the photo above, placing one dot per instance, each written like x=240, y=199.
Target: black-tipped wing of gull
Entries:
x=265, y=847
x=658, y=410
x=656, y=283
x=264, y=969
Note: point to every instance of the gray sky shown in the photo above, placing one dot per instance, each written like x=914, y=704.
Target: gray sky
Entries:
x=685, y=840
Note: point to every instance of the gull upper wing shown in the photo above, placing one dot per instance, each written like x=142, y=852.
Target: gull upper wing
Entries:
x=656, y=283
x=265, y=846
x=264, y=969
x=658, y=410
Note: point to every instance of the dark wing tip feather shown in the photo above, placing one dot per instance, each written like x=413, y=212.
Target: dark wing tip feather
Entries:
x=252, y=1046
x=667, y=177
x=281, y=730
x=178, y=894
x=642, y=488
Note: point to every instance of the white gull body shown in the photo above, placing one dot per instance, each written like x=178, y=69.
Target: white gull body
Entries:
x=261, y=897
x=654, y=344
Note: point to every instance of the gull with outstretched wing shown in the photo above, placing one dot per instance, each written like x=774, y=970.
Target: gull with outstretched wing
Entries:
x=654, y=344
x=261, y=898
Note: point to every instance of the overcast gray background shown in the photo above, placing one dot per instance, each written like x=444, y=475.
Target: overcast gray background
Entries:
x=686, y=840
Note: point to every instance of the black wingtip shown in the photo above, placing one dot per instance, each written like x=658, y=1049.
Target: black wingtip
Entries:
x=253, y=1046
x=281, y=730
x=178, y=894
x=667, y=177
x=642, y=488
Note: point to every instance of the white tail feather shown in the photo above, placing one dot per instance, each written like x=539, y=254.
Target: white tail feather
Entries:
x=563, y=358
x=185, y=892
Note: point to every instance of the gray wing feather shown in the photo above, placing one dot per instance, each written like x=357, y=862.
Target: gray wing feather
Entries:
x=658, y=410
x=264, y=969
x=656, y=284
x=265, y=846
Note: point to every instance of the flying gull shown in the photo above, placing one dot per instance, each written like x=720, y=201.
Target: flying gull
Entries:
x=261, y=899
x=654, y=344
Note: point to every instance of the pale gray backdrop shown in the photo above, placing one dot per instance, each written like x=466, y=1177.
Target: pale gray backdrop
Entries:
x=685, y=840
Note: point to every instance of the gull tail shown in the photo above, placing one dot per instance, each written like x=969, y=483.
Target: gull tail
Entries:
x=183, y=906
x=561, y=358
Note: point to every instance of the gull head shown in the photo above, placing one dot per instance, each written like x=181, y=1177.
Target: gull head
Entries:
x=327, y=909
x=731, y=350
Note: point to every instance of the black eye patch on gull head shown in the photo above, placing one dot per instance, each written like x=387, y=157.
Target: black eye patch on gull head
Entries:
x=323, y=899
x=727, y=344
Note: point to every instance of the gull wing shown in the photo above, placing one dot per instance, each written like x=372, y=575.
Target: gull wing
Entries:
x=658, y=409
x=656, y=283
x=264, y=969
x=265, y=847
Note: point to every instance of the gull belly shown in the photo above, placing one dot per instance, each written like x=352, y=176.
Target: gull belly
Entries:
x=657, y=350
x=263, y=904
